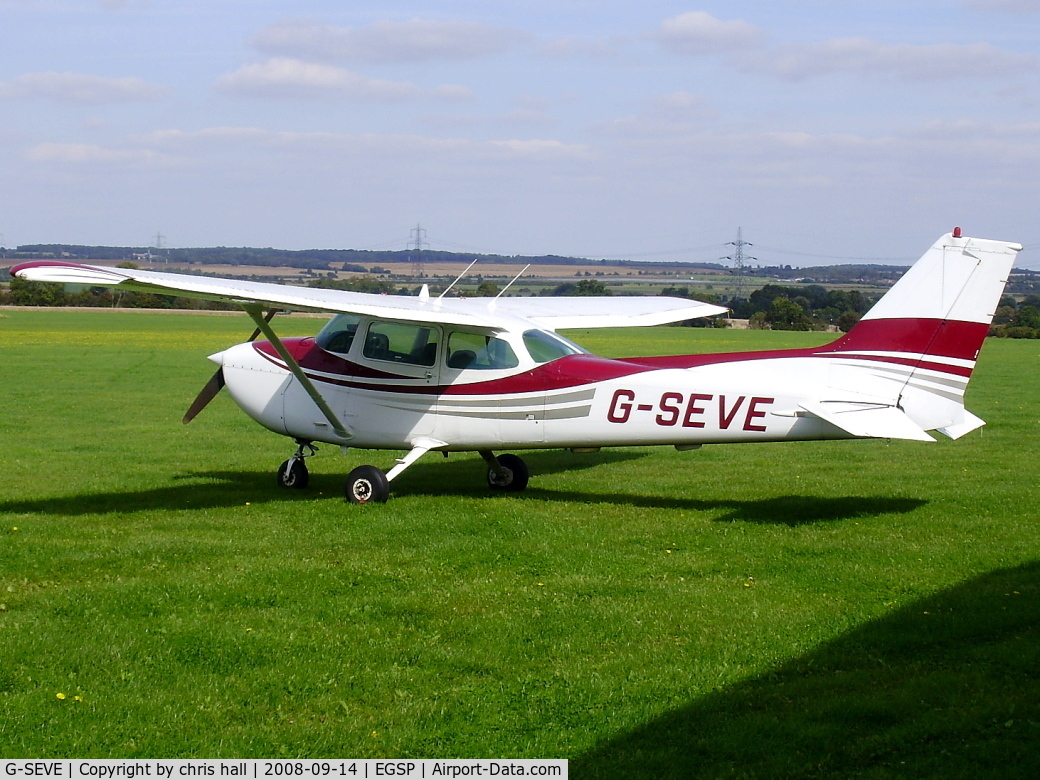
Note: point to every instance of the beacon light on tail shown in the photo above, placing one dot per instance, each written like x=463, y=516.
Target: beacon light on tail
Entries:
x=445, y=374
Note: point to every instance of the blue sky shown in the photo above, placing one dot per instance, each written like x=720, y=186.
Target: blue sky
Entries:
x=828, y=131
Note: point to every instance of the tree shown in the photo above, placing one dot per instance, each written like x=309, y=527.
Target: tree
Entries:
x=785, y=314
x=1027, y=317
x=591, y=287
x=584, y=287
x=366, y=284
x=25, y=293
x=847, y=321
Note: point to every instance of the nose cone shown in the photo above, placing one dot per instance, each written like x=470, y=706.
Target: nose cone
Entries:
x=217, y=357
x=256, y=384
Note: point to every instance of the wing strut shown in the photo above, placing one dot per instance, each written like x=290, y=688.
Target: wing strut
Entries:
x=255, y=311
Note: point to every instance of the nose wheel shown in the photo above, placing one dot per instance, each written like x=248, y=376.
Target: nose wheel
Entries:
x=293, y=472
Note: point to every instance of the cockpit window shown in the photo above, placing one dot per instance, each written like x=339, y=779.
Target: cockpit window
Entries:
x=545, y=346
x=338, y=333
x=402, y=342
x=479, y=352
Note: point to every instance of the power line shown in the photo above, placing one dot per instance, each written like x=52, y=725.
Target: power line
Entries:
x=837, y=257
x=417, y=243
x=739, y=260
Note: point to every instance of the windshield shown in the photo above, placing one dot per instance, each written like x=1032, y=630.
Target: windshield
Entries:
x=545, y=346
x=338, y=333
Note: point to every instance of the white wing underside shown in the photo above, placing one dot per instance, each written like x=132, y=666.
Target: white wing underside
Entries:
x=551, y=313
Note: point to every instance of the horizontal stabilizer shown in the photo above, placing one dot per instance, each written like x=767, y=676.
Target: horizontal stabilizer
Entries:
x=868, y=420
x=967, y=425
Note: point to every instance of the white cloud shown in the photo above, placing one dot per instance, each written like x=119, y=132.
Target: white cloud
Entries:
x=683, y=105
x=289, y=78
x=538, y=149
x=528, y=117
x=1005, y=6
x=903, y=61
x=454, y=93
x=216, y=140
x=416, y=40
x=80, y=88
x=568, y=48
x=676, y=114
x=698, y=32
x=87, y=153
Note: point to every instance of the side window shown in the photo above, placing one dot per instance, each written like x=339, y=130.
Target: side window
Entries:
x=338, y=334
x=401, y=342
x=480, y=352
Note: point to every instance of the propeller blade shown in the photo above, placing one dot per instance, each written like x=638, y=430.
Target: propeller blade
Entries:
x=216, y=382
x=209, y=392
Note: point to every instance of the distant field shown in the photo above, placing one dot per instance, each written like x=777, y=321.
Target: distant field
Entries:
x=641, y=279
x=857, y=608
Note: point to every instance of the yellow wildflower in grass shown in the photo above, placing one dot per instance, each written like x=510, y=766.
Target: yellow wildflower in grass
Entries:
x=61, y=696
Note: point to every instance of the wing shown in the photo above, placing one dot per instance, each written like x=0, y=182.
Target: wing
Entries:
x=604, y=311
x=552, y=313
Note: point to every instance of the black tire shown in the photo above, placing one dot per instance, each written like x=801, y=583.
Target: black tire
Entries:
x=367, y=485
x=515, y=480
x=295, y=476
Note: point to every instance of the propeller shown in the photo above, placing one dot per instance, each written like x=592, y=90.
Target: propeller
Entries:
x=216, y=382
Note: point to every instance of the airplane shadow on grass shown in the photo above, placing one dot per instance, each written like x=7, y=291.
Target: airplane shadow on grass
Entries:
x=227, y=489
x=948, y=687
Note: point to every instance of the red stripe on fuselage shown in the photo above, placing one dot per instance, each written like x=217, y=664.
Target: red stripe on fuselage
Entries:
x=936, y=339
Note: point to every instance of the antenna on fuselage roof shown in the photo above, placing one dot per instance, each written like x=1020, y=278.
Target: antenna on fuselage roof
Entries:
x=457, y=279
x=503, y=292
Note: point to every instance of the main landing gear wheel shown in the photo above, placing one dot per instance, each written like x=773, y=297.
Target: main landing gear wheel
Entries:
x=514, y=479
x=293, y=474
x=367, y=485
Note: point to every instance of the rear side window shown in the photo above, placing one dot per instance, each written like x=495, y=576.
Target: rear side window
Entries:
x=480, y=352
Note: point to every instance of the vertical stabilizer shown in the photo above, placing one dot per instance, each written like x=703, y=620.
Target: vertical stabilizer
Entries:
x=927, y=331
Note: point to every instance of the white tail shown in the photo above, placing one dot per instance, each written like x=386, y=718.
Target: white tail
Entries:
x=927, y=331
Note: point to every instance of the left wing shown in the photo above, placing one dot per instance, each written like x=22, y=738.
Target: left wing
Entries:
x=552, y=313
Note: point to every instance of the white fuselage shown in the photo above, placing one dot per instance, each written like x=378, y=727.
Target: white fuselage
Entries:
x=575, y=400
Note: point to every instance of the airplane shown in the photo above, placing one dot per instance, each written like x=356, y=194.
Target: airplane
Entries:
x=442, y=374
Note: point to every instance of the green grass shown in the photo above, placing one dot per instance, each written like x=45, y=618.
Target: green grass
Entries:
x=857, y=608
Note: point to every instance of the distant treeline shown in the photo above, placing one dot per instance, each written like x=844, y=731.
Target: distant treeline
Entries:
x=777, y=307
x=355, y=260
x=1017, y=319
x=24, y=293
x=874, y=275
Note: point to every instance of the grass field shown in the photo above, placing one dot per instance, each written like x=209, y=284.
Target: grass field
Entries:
x=858, y=608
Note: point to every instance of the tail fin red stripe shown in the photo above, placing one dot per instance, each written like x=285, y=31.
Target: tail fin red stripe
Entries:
x=941, y=338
